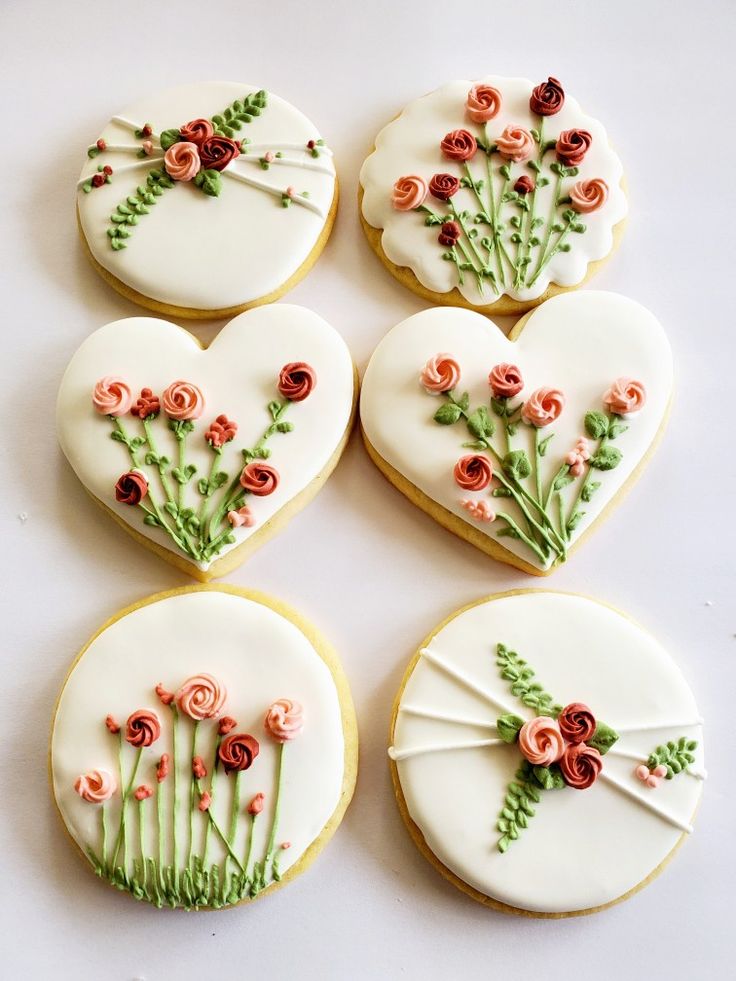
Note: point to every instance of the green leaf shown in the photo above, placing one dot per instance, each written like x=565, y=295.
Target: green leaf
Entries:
x=211, y=182
x=508, y=727
x=596, y=424
x=499, y=406
x=607, y=458
x=284, y=427
x=589, y=490
x=151, y=519
x=203, y=486
x=575, y=519
x=480, y=423
x=603, y=738
x=616, y=428
x=168, y=138
x=544, y=444
x=171, y=507
x=464, y=401
x=516, y=464
x=548, y=777
x=563, y=480
x=447, y=414
x=219, y=479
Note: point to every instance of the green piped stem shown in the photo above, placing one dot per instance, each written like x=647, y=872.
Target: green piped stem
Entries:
x=217, y=455
x=141, y=840
x=553, y=252
x=249, y=847
x=192, y=792
x=213, y=781
x=579, y=499
x=277, y=806
x=545, y=245
x=103, y=822
x=492, y=209
x=122, y=836
x=175, y=806
x=526, y=247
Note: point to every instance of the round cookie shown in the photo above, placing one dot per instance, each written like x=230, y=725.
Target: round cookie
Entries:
x=493, y=195
x=519, y=444
x=206, y=199
x=546, y=753
x=203, y=454
x=204, y=747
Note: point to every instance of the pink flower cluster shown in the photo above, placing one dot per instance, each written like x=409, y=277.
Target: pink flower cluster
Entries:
x=544, y=741
x=577, y=457
x=651, y=777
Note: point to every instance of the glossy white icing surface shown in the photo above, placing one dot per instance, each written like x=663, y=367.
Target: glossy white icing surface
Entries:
x=203, y=252
x=577, y=342
x=258, y=656
x=410, y=144
x=582, y=848
x=237, y=375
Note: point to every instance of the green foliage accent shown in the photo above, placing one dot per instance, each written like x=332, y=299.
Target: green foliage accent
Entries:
x=128, y=212
x=607, y=458
x=515, y=670
x=447, y=414
x=210, y=182
x=545, y=443
x=480, y=423
x=230, y=120
x=589, y=490
x=603, y=738
x=168, y=138
x=616, y=428
x=548, y=777
x=517, y=808
x=596, y=424
x=676, y=755
x=508, y=727
x=516, y=464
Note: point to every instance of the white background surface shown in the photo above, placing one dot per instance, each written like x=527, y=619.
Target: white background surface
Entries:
x=374, y=574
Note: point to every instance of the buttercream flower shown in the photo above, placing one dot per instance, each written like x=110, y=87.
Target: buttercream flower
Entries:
x=238, y=751
x=482, y=103
x=459, y=145
x=142, y=728
x=98, y=180
x=572, y=145
x=199, y=770
x=651, y=777
x=449, y=233
x=587, y=196
x=256, y=805
x=162, y=768
x=577, y=457
x=440, y=374
x=166, y=696
x=284, y=720
x=540, y=741
x=196, y=131
x=409, y=192
x=624, y=396
x=259, y=479
x=543, y=406
x=147, y=405
x=201, y=697
x=107, y=169
x=101, y=145
x=143, y=792
x=216, y=152
x=296, y=381
x=576, y=722
x=112, y=724
x=515, y=143
x=131, y=488
x=205, y=799
x=112, y=396
x=95, y=786
x=480, y=510
x=226, y=725
x=524, y=185
x=147, y=147
x=242, y=518
x=580, y=765
x=443, y=186
x=547, y=98
x=285, y=846
x=221, y=431
x=473, y=472
x=182, y=161
x=182, y=400
x=505, y=380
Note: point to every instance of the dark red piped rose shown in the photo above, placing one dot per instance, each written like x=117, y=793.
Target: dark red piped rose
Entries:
x=131, y=488
x=216, y=152
x=505, y=380
x=142, y=728
x=443, y=186
x=147, y=405
x=459, y=145
x=576, y=722
x=473, y=472
x=98, y=180
x=259, y=479
x=547, y=98
x=449, y=233
x=524, y=185
x=297, y=380
x=196, y=131
x=221, y=431
x=572, y=145
x=238, y=751
x=580, y=766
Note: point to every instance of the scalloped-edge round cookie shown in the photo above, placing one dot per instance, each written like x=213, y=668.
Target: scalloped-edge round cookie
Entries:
x=207, y=199
x=493, y=195
x=204, y=747
x=546, y=753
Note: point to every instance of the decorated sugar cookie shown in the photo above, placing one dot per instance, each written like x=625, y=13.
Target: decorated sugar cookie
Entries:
x=206, y=199
x=546, y=753
x=493, y=195
x=204, y=748
x=521, y=444
x=203, y=454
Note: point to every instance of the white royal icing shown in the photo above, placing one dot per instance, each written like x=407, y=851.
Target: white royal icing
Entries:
x=238, y=376
x=202, y=252
x=258, y=656
x=577, y=342
x=410, y=144
x=582, y=848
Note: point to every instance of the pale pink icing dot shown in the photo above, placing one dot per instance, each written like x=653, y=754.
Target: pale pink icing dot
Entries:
x=182, y=400
x=409, y=192
x=290, y=191
x=95, y=786
x=284, y=720
x=587, y=196
x=201, y=697
x=482, y=103
x=147, y=147
x=660, y=771
x=182, y=161
x=515, y=143
x=624, y=396
x=480, y=510
x=543, y=407
x=642, y=772
x=112, y=396
x=268, y=156
x=440, y=374
x=540, y=741
x=243, y=517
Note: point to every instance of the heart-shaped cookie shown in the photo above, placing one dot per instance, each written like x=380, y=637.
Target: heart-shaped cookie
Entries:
x=519, y=444
x=202, y=454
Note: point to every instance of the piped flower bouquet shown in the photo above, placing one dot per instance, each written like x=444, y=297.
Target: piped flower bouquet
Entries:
x=166, y=858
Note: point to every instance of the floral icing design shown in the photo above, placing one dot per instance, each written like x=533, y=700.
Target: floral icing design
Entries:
x=182, y=161
x=478, y=510
x=168, y=868
x=580, y=766
x=540, y=741
x=544, y=514
x=157, y=481
x=196, y=131
x=502, y=235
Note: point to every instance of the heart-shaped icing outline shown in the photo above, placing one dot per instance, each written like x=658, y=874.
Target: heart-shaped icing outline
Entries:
x=285, y=327
x=381, y=441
